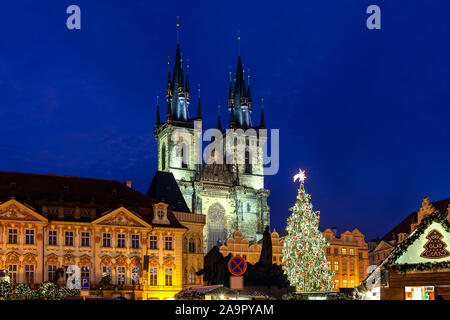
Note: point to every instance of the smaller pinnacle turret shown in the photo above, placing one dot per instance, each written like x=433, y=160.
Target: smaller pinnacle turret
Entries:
x=263, y=122
x=219, y=122
x=158, y=119
x=199, y=108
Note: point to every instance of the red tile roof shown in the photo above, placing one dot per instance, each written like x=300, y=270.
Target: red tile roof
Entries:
x=37, y=190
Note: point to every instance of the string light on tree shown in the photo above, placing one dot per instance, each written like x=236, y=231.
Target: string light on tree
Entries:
x=305, y=262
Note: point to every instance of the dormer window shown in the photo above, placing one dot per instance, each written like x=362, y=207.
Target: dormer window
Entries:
x=114, y=192
x=160, y=213
x=66, y=188
x=12, y=186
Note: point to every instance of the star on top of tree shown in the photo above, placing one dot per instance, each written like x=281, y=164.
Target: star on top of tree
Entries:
x=300, y=176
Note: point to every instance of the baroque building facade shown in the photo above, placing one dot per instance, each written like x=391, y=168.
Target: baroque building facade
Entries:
x=347, y=256
x=49, y=222
x=231, y=193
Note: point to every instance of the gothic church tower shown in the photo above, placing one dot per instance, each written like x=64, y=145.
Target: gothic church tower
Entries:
x=231, y=195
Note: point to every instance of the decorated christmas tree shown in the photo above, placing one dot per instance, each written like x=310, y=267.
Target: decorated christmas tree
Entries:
x=435, y=247
x=304, y=258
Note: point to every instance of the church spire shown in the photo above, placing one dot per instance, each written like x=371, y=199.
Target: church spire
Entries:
x=199, y=108
x=230, y=93
x=219, y=122
x=240, y=104
x=179, y=96
x=249, y=96
x=263, y=122
x=158, y=119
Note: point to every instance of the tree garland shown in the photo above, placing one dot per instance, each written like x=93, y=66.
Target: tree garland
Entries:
x=403, y=246
x=49, y=291
x=5, y=290
x=23, y=292
x=189, y=295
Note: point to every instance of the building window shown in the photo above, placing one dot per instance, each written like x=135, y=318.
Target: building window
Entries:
x=191, y=246
x=352, y=251
x=135, y=275
x=352, y=283
x=120, y=275
x=344, y=251
x=106, y=271
x=336, y=252
x=360, y=256
x=344, y=283
x=184, y=160
x=52, y=237
x=153, y=242
x=12, y=236
x=153, y=280
x=352, y=266
x=121, y=240
x=107, y=240
x=12, y=269
x=163, y=158
x=85, y=271
x=29, y=273
x=248, y=166
x=328, y=265
x=51, y=273
x=85, y=239
x=192, y=277
x=344, y=266
x=29, y=236
x=168, y=243
x=135, y=241
x=336, y=283
x=68, y=239
x=328, y=251
x=336, y=266
x=168, y=276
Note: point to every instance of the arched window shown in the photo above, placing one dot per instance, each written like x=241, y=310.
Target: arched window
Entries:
x=191, y=245
x=192, y=277
x=248, y=166
x=215, y=224
x=184, y=160
x=163, y=158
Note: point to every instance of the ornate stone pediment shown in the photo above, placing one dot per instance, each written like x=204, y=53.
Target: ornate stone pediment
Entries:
x=14, y=210
x=85, y=260
x=106, y=260
x=69, y=259
x=136, y=262
x=30, y=258
x=52, y=259
x=121, y=217
x=12, y=257
x=121, y=260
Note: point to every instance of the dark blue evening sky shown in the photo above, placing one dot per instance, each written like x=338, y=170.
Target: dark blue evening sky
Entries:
x=365, y=113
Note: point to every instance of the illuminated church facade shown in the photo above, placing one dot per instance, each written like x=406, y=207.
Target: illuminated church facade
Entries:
x=231, y=195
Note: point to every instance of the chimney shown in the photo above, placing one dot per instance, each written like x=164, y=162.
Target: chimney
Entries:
x=128, y=183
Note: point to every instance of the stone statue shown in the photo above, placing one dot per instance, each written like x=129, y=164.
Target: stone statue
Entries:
x=266, y=252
